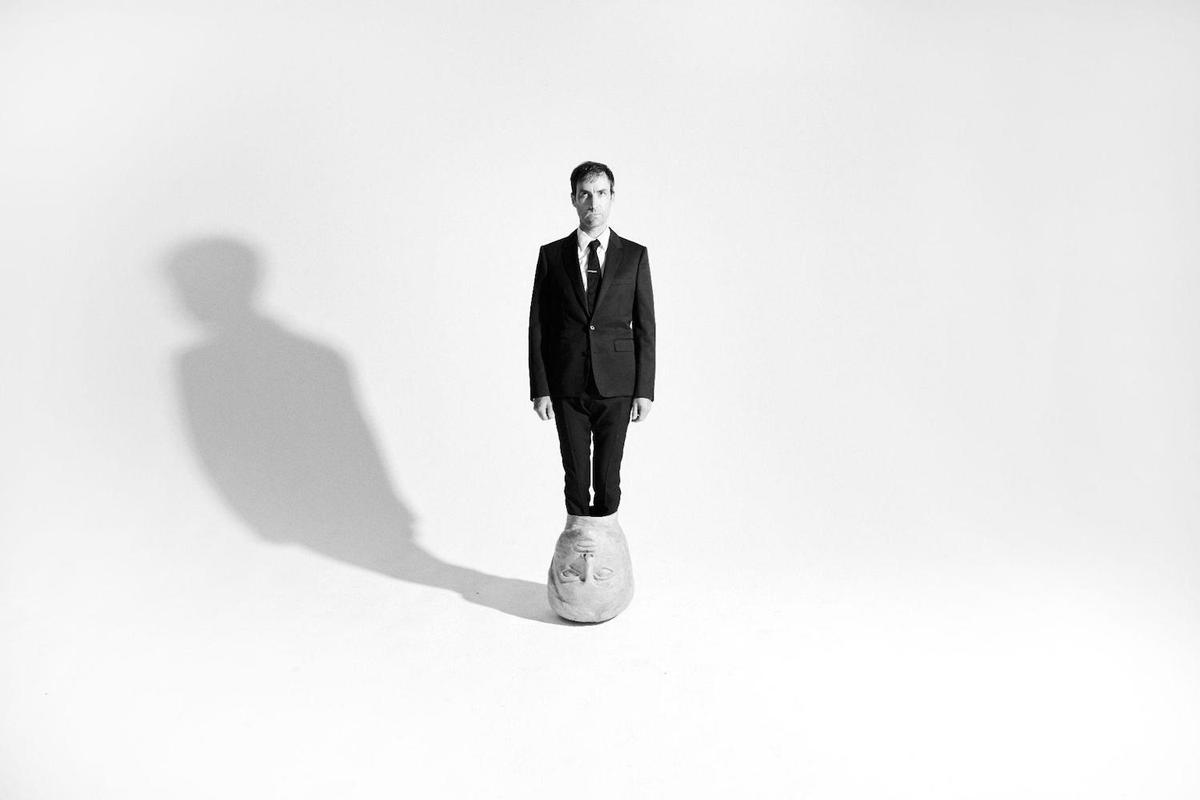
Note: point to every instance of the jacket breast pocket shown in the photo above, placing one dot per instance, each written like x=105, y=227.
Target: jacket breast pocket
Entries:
x=623, y=345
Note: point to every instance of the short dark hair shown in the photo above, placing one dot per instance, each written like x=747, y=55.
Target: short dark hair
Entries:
x=586, y=170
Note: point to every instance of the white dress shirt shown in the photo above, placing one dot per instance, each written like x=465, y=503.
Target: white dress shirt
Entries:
x=581, y=244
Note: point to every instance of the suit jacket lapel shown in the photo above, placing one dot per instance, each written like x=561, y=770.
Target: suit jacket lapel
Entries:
x=570, y=260
x=612, y=263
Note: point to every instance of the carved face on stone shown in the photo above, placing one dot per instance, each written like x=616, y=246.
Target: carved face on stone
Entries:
x=591, y=577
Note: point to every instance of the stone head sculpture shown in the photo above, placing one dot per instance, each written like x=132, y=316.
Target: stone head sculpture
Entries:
x=591, y=575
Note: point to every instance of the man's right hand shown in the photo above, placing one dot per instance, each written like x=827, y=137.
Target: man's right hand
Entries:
x=542, y=407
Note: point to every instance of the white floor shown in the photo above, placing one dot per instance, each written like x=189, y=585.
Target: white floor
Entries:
x=181, y=655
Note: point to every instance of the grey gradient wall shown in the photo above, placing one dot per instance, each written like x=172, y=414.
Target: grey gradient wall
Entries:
x=926, y=280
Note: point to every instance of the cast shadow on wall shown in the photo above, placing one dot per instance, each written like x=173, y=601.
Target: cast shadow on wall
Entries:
x=274, y=420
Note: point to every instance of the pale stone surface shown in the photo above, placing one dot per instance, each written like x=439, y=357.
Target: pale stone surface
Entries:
x=591, y=574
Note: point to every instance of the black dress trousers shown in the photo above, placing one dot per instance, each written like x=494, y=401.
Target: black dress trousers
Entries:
x=582, y=422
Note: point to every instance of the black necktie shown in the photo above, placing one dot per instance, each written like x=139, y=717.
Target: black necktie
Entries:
x=593, y=273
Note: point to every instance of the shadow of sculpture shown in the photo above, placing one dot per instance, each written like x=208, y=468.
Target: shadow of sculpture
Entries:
x=274, y=420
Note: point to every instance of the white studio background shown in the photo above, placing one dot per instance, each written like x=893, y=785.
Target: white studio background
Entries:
x=915, y=514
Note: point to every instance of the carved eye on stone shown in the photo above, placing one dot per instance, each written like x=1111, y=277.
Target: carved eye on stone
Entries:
x=568, y=574
x=603, y=574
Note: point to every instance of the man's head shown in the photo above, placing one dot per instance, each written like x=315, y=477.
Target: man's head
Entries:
x=591, y=194
x=591, y=574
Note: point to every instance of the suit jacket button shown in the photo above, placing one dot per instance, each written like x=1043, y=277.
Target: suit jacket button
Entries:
x=591, y=327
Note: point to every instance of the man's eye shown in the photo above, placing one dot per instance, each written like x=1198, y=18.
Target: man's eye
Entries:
x=568, y=574
x=603, y=574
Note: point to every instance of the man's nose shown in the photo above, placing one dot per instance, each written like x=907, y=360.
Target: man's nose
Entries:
x=587, y=568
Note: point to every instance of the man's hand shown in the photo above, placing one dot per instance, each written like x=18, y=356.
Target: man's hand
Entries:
x=542, y=407
x=641, y=409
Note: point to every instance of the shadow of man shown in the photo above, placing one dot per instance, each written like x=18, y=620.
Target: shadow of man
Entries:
x=275, y=422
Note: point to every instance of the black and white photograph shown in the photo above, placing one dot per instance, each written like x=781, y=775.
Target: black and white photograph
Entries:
x=600, y=400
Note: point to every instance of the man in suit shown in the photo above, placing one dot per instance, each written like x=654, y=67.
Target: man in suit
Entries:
x=591, y=344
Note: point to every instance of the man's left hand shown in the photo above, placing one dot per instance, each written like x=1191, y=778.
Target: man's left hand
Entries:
x=641, y=409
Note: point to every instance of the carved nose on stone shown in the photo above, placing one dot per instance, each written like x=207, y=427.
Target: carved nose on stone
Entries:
x=587, y=567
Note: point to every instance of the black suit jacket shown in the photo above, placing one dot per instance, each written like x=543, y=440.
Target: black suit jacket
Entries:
x=616, y=341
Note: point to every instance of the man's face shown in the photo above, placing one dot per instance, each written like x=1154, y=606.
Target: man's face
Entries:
x=591, y=576
x=592, y=201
